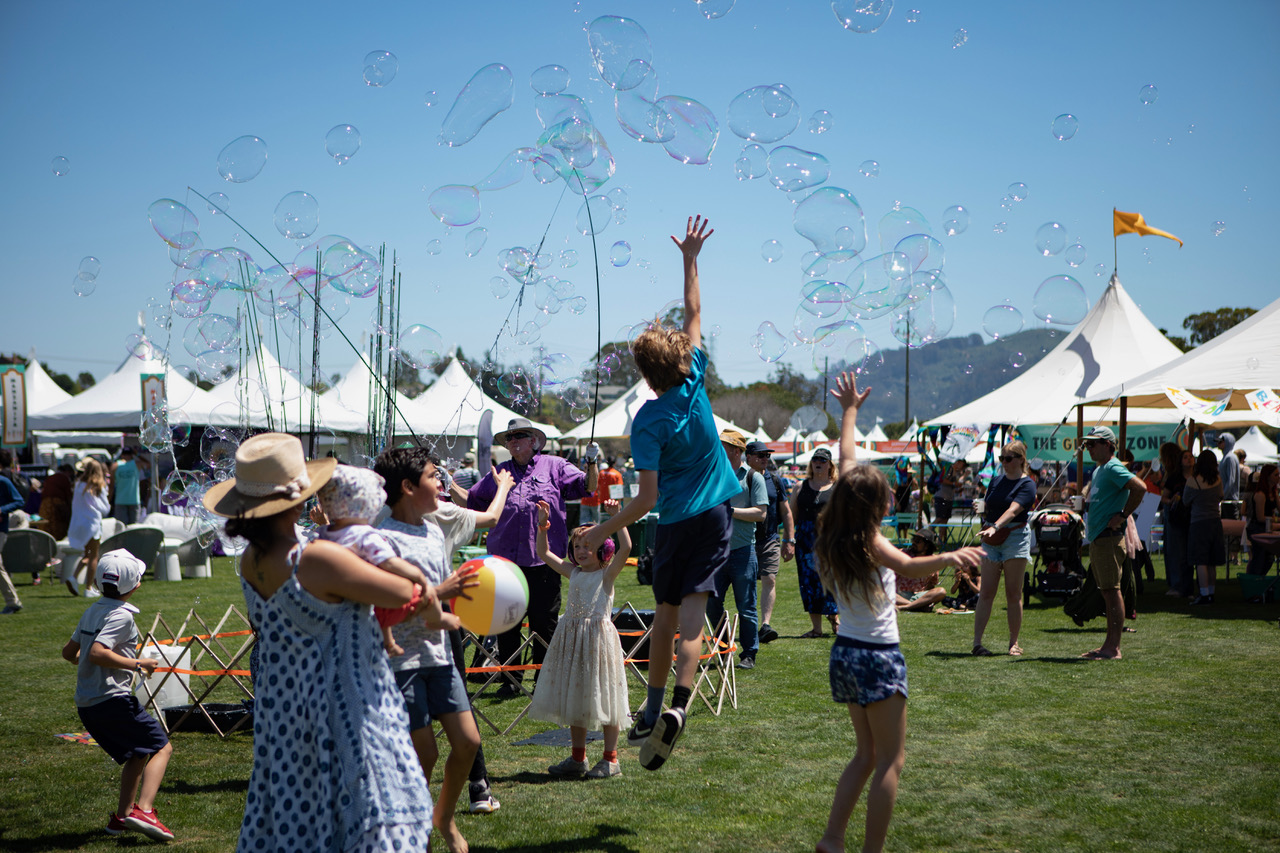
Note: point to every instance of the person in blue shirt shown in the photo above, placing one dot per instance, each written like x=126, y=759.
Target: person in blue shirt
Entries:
x=684, y=473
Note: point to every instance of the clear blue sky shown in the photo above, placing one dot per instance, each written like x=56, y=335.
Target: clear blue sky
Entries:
x=141, y=97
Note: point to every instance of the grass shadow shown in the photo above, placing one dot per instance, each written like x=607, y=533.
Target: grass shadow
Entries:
x=60, y=841
x=606, y=838
x=531, y=778
x=236, y=786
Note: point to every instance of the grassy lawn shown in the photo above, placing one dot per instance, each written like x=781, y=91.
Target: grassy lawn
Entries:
x=1176, y=747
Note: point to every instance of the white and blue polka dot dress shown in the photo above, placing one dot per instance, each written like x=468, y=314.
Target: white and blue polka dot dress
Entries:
x=333, y=766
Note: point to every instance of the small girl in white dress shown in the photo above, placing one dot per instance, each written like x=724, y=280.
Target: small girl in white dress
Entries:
x=583, y=684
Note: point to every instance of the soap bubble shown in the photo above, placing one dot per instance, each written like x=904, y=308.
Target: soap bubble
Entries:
x=823, y=298
x=968, y=370
x=1051, y=238
x=60, y=166
x=1001, y=321
x=820, y=122
x=1148, y=94
x=420, y=346
x=1064, y=127
x=487, y=93
x=695, y=130
x=82, y=286
x=1075, y=254
x=380, y=68
x=771, y=251
x=211, y=332
x=549, y=79
x=431, y=98
x=434, y=247
x=959, y=38
x=862, y=16
x=913, y=16
x=594, y=215
x=89, y=268
x=1018, y=191
x=242, y=159
x=752, y=162
x=174, y=222
x=1017, y=360
x=342, y=142
x=832, y=220
x=955, y=220
x=1000, y=227
x=899, y=223
x=928, y=317
x=1217, y=228
x=455, y=204
x=712, y=9
x=621, y=51
x=568, y=258
x=764, y=113
x=769, y=343
x=620, y=253
x=475, y=240
x=638, y=114
x=218, y=203
x=863, y=355
x=498, y=286
x=1061, y=300
x=879, y=284
x=297, y=215
x=792, y=169
x=1100, y=270
x=923, y=252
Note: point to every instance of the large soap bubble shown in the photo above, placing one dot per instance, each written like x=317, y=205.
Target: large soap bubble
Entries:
x=420, y=346
x=928, y=316
x=174, y=222
x=862, y=16
x=297, y=215
x=832, y=220
x=475, y=240
x=242, y=159
x=769, y=343
x=380, y=68
x=455, y=204
x=549, y=79
x=712, y=9
x=764, y=113
x=695, y=130
x=1001, y=321
x=1051, y=238
x=1075, y=254
x=825, y=298
x=1061, y=300
x=487, y=93
x=1064, y=127
x=211, y=332
x=879, y=284
x=899, y=223
x=641, y=118
x=342, y=142
x=620, y=253
x=621, y=51
x=752, y=162
x=793, y=169
x=924, y=252
x=509, y=171
x=594, y=215
x=955, y=220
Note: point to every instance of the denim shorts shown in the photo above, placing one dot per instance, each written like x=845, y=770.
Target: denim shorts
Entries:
x=866, y=672
x=1016, y=547
x=430, y=692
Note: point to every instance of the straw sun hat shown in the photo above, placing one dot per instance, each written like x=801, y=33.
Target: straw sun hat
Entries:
x=271, y=476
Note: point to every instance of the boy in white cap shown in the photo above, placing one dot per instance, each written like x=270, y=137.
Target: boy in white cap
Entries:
x=103, y=647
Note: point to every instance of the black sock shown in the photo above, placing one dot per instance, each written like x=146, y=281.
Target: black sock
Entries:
x=680, y=697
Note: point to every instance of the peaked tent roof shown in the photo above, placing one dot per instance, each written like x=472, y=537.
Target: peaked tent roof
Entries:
x=909, y=434
x=42, y=391
x=262, y=386
x=1114, y=341
x=116, y=401
x=453, y=404
x=876, y=434
x=1244, y=358
x=355, y=390
x=1256, y=445
x=615, y=419
x=761, y=435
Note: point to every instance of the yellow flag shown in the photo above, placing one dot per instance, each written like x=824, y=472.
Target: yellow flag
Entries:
x=1133, y=223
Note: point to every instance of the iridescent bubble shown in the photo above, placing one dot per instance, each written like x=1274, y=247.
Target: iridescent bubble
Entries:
x=620, y=50
x=1017, y=360
x=955, y=220
x=487, y=93
x=89, y=268
x=549, y=79
x=211, y=332
x=793, y=169
x=498, y=286
x=577, y=152
x=568, y=258
x=764, y=113
x=455, y=204
x=899, y=223
x=1075, y=254
x=351, y=269
x=863, y=355
x=823, y=298
x=342, y=142
x=639, y=115
x=60, y=166
x=475, y=240
x=380, y=68
x=297, y=216
x=1100, y=270
x=1051, y=238
x=137, y=345
x=879, y=284
x=869, y=169
x=832, y=220
x=927, y=318
x=820, y=122
x=594, y=215
x=923, y=252
x=431, y=98
x=1064, y=127
x=577, y=305
x=218, y=203
x=216, y=367
x=752, y=162
x=1148, y=94
x=862, y=16
x=769, y=343
x=175, y=224
x=620, y=253
x=1061, y=300
x=1018, y=191
x=695, y=130
x=242, y=159
x=82, y=286
x=617, y=197
x=959, y=38
x=1217, y=228
x=712, y=9
x=555, y=108
x=1000, y=227
x=771, y=251
x=545, y=298
x=420, y=346
x=434, y=247
x=1001, y=321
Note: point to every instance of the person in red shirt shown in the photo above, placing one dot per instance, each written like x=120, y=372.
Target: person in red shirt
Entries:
x=609, y=476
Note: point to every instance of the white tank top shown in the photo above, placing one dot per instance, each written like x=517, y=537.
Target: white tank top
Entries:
x=877, y=623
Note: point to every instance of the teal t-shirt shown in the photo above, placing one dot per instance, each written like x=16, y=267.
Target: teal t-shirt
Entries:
x=676, y=436
x=1108, y=494
x=127, y=492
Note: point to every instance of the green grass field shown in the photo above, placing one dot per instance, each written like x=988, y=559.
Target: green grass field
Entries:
x=1177, y=747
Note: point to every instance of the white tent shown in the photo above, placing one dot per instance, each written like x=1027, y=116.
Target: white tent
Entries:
x=42, y=391
x=1257, y=446
x=116, y=401
x=909, y=434
x=356, y=390
x=864, y=455
x=453, y=404
x=1113, y=342
x=876, y=434
x=614, y=420
x=817, y=437
x=271, y=396
x=761, y=435
x=1242, y=359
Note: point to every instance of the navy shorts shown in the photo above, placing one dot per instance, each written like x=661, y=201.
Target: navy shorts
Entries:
x=689, y=554
x=866, y=672
x=123, y=729
x=431, y=692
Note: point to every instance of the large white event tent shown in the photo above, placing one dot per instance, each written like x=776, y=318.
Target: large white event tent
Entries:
x=1243, y=359
x=42, y=391
x=877, y=434
x=452, y=405
x=1113, y=342
x=356, y=390
x=1257, y=447
x=614, y=420
x=269, y=396
x=116, y=401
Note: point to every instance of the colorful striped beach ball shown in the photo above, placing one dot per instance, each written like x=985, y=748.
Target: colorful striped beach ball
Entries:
x=499, y=602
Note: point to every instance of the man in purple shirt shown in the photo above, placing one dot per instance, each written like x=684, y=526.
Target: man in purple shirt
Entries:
x=537, y=478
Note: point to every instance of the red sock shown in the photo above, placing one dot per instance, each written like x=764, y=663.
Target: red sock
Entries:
x=611, y=755
x=580, y=754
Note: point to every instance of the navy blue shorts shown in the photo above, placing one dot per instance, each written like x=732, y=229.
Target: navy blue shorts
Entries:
x=123, y=729
x=689, y=554
x=866, y=672
x=431, y=691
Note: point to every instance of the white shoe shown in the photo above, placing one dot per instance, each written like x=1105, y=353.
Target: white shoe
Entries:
x=92, y=592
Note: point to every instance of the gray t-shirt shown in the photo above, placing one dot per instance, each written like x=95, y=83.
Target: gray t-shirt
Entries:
x=754, y=494
x=107, y=621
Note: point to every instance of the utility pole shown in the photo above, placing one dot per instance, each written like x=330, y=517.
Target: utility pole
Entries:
x=906, y=396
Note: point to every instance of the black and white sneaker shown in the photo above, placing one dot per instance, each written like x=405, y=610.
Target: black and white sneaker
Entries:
x=639, y=732
x=655, y=751
x=767, y=633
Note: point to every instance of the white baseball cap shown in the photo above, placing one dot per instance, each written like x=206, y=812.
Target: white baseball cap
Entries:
x=121, y=568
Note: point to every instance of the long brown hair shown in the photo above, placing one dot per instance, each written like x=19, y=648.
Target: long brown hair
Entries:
x=1206, y=467
x=1170, y=459
x=847, y=531
x=94, y=478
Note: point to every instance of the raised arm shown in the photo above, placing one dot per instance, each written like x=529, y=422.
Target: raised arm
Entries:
x=851, y=399
x=635, y=510
x=490, y=516
x=695, y=234
x=544, y=552
x=333, y=573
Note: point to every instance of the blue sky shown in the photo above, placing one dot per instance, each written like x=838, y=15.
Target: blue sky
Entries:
x=140, y=99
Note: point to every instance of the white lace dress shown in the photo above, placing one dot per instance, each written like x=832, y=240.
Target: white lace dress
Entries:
x=583, y=680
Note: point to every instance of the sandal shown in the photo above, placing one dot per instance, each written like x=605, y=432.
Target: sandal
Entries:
x=1015, y=650
x=981, y=651
x=812, y=635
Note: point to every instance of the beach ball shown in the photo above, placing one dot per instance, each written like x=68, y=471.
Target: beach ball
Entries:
x=499, y=602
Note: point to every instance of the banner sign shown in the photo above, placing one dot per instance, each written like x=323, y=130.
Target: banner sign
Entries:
x=961, y=439
x=1266, y=405
x=152, y=391
x=1143, y=439
x=14, y=382
x=1198, y=408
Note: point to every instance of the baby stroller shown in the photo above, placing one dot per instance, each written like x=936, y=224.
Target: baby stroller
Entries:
x=1059, y=533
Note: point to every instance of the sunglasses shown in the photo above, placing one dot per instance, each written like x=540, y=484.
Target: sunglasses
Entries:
x=1009, y=458
x=765, y=455
x=517, y=436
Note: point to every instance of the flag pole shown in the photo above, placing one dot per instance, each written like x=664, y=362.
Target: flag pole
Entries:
x=1115, y=239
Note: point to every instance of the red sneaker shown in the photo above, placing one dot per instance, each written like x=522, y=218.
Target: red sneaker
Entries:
x=148, y=823
x=115, y=825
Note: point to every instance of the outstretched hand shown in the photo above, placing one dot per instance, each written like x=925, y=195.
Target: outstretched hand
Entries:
x=544, y=514
x=846, y=391
x=696, y=233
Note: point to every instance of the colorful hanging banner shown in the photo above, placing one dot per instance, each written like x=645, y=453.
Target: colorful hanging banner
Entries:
x=14, y=381
x=1266, y=405
x=1204, y=411
x=1143, y=439
x=152, y=391
x=962, y=438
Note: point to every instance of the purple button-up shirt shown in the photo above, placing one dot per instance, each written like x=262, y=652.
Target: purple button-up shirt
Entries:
x=546, y=478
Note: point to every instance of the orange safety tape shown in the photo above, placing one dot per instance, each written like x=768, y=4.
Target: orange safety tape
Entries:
x=204, y=637
x=243, y=672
